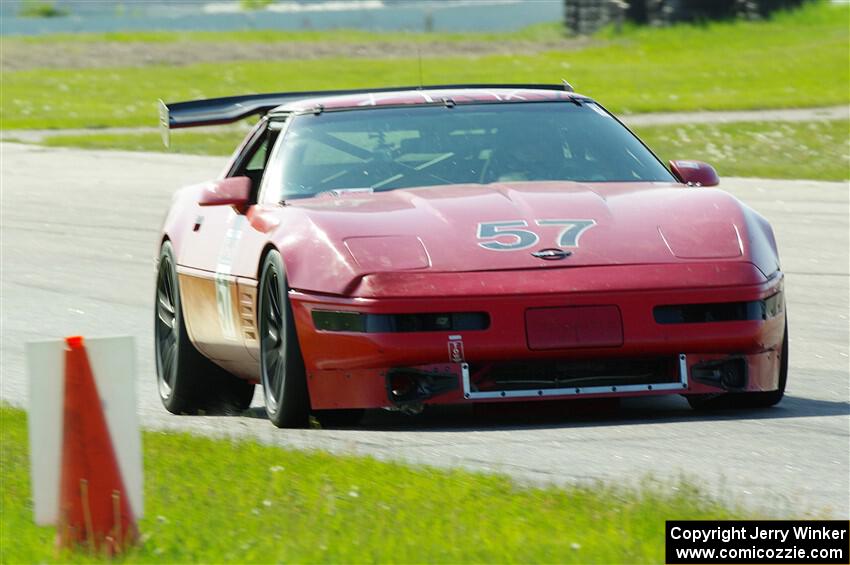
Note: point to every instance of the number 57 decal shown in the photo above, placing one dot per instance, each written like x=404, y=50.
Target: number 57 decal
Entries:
x=510, y=235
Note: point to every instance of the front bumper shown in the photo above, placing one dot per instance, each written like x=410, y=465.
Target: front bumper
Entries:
x=350, y=369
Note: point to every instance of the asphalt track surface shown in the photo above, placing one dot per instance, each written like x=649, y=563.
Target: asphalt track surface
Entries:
x=79, y=232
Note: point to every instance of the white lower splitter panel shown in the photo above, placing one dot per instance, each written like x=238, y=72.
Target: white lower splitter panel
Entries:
x=682, y=383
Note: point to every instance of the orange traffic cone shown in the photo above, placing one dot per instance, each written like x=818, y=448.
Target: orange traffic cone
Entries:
x=94, y=507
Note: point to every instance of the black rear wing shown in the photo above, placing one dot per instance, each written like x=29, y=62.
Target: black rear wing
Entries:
x=218, y=111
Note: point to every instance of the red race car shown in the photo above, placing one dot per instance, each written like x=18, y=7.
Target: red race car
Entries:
x=399, y=247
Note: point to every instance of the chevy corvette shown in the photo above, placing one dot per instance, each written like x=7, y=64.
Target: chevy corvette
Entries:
x=399, y=247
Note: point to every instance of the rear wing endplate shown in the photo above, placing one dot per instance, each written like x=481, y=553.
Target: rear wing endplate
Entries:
x=218, y=111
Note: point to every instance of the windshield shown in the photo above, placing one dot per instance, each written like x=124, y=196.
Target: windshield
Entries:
x=385, y=149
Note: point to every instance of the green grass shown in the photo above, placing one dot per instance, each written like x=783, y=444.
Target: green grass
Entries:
x=788, y=150
x=803, y=150
x=32, y=9
x=222, y=142
x=254, y=4
x=795, y=60
x=221, y=501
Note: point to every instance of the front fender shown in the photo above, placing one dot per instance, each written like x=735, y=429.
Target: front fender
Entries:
x=761, y=240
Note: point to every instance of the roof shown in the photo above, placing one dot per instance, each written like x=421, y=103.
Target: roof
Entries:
x=423, y=97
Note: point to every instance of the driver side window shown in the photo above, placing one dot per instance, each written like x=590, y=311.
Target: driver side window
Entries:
x=255, y=158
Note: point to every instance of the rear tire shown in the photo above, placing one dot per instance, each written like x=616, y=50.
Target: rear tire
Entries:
x=748, y=399
x=188, y=382
x=282, y=370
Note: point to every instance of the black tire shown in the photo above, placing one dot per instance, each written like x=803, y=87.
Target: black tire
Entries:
x=338, y=418
x=282, y=371
x=188, y=382
x=748, y=399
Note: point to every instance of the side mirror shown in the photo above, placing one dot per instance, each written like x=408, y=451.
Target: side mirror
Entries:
x=233, y=191
x=695, y=173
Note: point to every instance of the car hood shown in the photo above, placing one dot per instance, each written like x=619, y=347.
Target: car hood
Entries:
x=464, y=228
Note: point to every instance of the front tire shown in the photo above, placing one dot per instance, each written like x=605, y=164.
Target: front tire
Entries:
x=282, y=370
x=188, y=382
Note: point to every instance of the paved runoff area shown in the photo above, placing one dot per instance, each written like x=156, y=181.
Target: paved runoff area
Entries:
x=79, y=236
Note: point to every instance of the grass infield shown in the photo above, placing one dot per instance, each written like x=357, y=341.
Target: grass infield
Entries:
x=796, y=59
x=818, y=150
x=222, y=501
